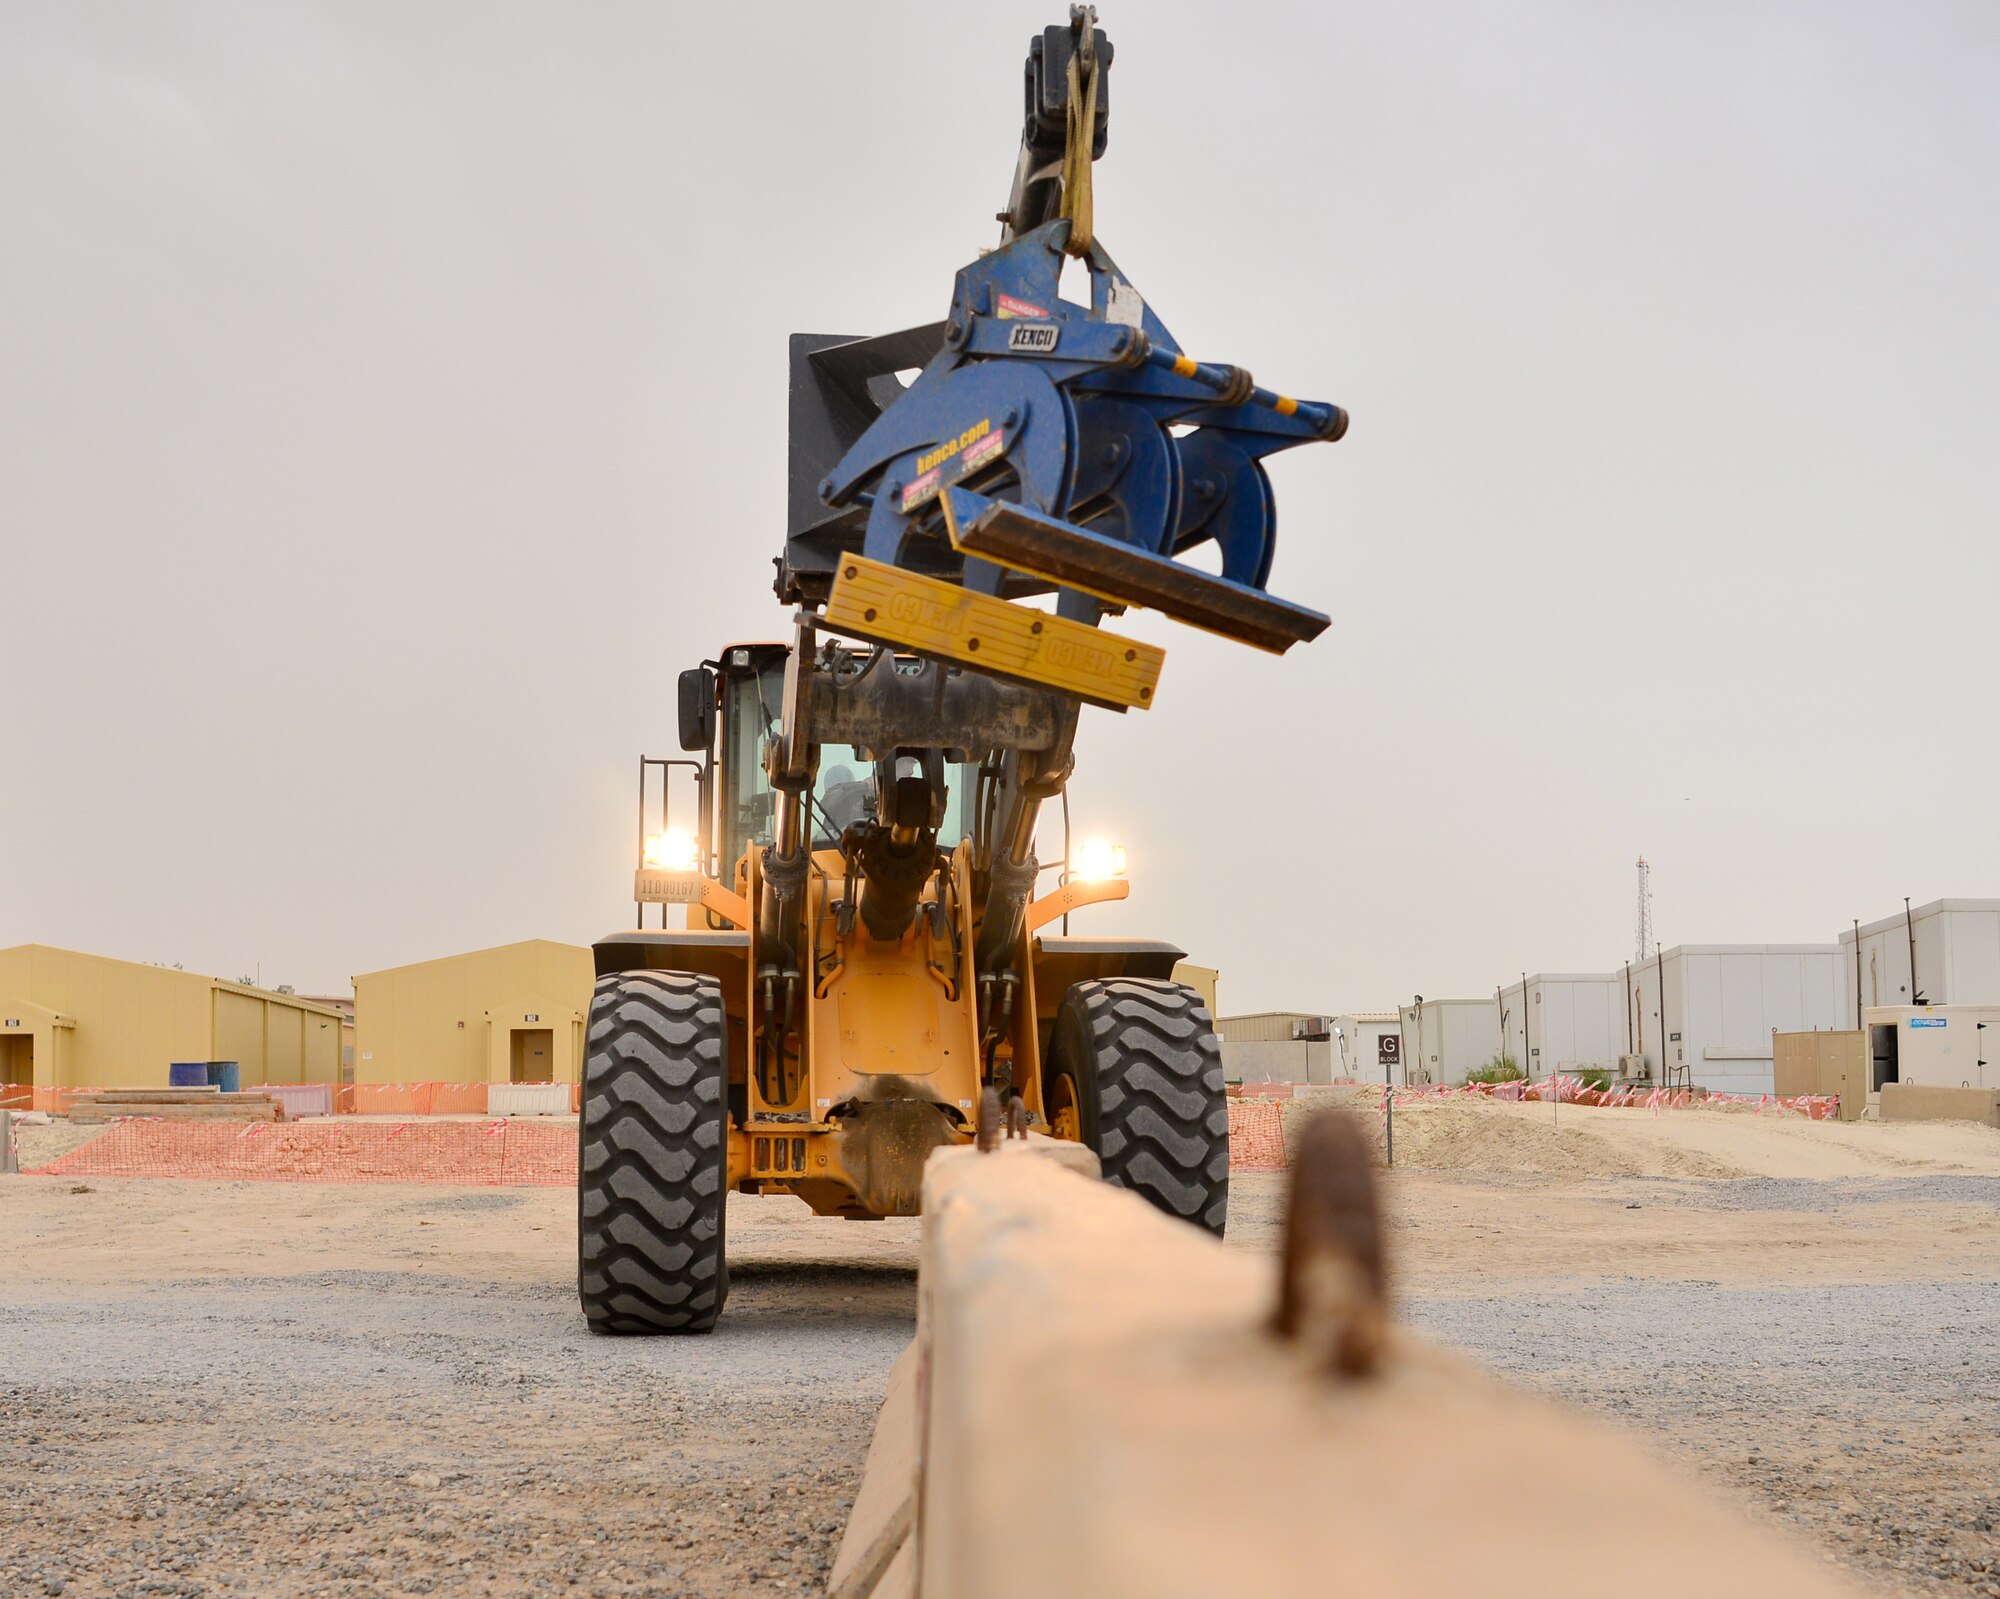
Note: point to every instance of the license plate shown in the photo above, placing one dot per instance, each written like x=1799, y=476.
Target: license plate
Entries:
x=651, y=886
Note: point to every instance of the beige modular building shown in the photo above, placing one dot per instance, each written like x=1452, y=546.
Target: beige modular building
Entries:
x=1274, y=1047
x=1824, y=1062
x=512, y=1014
x=69, y=1020
x=1270, y=1027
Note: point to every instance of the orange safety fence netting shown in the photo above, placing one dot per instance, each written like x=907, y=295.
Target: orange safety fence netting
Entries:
x=494, y=1153
x=501, y=1152
x=497, y=1153
x=1577, y=1091
x=349, y=1099
x=57, y=1101
x=1256, y=1135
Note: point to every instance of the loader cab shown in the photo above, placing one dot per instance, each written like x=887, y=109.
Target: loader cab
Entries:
x=749, y=696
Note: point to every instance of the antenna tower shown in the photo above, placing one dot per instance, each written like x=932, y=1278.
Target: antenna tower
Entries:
x=1645, y=910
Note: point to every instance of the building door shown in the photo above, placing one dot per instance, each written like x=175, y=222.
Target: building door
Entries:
x=1884, y=1067
x=534, y=1054
x=17, y=1061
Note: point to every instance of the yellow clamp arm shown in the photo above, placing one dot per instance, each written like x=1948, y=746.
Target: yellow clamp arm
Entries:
x=731, y=906
x=1071, y=896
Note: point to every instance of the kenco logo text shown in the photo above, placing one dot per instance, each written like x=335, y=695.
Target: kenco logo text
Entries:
x=951, y=447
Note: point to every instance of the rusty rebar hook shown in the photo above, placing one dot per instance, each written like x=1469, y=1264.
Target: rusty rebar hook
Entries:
x=1333, y=1294
x=987, y=1129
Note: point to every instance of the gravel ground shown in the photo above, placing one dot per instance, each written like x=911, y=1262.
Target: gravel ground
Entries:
x=392, y=1432
x=1814, y=1195
x=1862, y=1415
x=1865, y=1416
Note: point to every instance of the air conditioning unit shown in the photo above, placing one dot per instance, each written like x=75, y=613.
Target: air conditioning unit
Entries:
x=1312, y=1029
x=1633, y=1068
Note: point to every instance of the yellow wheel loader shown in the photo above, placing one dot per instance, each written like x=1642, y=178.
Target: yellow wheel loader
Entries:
x=870, y=960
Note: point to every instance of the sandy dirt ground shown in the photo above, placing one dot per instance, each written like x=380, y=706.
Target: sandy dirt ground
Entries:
x=386, y=1390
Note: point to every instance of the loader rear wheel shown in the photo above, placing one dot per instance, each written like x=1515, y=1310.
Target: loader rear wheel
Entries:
x=1135, y=1070
x=653, y=1155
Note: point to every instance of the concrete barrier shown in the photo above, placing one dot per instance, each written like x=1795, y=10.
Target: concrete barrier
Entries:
x=877, y=1555
x=527, y=1099
x=1917, y=1102
x=300, y=1099
x=1094, y=1394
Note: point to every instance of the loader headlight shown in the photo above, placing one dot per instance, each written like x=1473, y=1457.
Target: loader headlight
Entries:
x=1095, y=862
x=672, y=851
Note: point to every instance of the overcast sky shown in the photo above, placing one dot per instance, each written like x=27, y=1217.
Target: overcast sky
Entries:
x=392, y=399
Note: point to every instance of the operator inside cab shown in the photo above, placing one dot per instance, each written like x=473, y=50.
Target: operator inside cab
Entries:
x=844, y=798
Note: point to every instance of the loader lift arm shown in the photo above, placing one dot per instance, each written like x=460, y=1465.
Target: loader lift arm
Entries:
x=840, y=384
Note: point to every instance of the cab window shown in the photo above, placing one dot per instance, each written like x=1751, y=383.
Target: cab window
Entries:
x=843, y=793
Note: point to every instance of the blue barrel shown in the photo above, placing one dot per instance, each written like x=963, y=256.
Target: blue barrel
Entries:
x=226, y=1075
x=187, y=1074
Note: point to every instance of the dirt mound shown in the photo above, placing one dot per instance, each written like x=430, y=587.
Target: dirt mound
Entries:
x=1473, y=1134
x=1483, y=1135
x=45, y=1141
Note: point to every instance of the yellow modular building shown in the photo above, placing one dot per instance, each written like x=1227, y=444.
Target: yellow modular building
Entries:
x=84, y=1021
x=344, y=1003
x=1201, y=979
x=514, y=1014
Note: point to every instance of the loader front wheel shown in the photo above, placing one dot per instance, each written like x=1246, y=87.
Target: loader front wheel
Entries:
x=1134, y=1072
x=653, y=1155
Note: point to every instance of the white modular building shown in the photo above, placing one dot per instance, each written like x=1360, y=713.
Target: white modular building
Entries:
x=1933, y=1046
x=1707, y=1012
x=1564, y=1021
x=1447, y=1038
x=1368, y=1047
x=1957, y=948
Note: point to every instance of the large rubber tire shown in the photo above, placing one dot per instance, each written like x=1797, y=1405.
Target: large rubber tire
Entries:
x=1135, y=1063
x=652, y=1173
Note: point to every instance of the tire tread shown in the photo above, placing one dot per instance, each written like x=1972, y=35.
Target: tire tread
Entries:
x=651, y=1172
x=1162, y=1119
